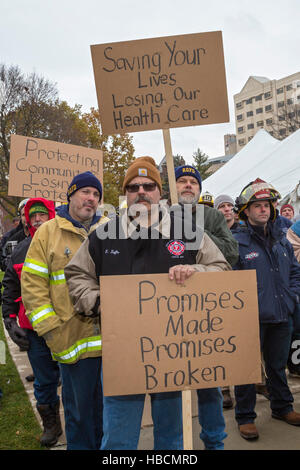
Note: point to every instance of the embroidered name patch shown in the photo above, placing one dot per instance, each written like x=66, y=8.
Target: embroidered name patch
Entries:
x=252, y=255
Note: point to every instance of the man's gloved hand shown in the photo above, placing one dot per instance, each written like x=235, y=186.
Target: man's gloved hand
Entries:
x=17, y=334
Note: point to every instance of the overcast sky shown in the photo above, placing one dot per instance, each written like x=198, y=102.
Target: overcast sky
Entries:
x=53, y=38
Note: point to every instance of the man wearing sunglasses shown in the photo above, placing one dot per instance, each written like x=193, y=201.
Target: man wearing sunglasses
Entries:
x=129, y=254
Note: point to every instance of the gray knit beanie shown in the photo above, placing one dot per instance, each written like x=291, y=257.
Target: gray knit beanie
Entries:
x=221, y=199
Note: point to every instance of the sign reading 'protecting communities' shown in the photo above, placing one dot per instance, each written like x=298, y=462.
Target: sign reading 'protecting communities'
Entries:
x=166, y=82
x=44, y=168
x=159, y=336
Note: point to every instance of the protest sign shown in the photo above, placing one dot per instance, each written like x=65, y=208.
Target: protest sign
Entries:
x=44, y=168
x=159, y=336
x=160, y=83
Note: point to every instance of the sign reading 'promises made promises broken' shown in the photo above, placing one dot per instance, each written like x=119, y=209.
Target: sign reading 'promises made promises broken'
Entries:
x=160, y=337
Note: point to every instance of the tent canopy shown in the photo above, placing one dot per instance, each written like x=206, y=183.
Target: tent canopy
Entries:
x=275, y=161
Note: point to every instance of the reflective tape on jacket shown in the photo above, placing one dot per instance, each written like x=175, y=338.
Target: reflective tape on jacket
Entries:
x=40, y=314
x=58, y=277
x=36, y=267
x=82, y=346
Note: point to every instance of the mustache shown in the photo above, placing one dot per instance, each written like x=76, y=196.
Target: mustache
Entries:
x=142, y=198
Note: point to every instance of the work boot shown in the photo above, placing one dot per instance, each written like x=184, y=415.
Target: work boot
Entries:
x=30, y=378
x=290, y=418
x=51, y=424
x=227, y=400
x=248, y=431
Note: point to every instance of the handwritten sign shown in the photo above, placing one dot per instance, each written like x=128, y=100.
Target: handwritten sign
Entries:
x=44, y=168
x=158, y=83
x=159, y=337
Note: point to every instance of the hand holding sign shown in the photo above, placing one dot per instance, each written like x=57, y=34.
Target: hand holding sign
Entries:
x=180, y=273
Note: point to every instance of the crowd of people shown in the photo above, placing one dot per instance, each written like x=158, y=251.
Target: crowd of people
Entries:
x=51, y=302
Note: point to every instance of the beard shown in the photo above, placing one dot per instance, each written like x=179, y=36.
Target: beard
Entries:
x=188, y=199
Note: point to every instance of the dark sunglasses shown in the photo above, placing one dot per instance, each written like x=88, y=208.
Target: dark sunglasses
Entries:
x=147, y=187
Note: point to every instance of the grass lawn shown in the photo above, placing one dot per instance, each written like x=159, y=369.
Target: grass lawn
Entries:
x=19, y=427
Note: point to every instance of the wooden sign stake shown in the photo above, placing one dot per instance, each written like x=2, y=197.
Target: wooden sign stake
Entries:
x=186, y=394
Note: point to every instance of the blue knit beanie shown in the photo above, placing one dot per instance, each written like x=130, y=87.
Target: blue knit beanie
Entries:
x=188, y=170
x=81, y=181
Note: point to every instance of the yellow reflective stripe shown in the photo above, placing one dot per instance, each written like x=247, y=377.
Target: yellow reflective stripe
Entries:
x=36, y=267
x=57, y=277
x=40, y=314
x=94, y=343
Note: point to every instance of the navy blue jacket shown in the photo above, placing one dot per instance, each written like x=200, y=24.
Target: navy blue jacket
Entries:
x=277, y=270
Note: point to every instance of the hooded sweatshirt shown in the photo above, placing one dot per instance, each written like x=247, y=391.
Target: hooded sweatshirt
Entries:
x=12, y=300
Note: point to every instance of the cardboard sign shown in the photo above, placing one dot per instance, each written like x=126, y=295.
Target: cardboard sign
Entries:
x=44, y=168
x=166, y=82
x=159, y=336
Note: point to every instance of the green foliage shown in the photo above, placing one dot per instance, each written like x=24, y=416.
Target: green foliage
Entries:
x=29, y=106
x=200, y=162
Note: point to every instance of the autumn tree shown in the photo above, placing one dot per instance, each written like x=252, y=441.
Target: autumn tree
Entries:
x=29, y=106
x=178, y=161
x=118, y=154
x=22, y=101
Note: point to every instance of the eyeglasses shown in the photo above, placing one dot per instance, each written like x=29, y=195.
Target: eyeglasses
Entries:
x=134, y=188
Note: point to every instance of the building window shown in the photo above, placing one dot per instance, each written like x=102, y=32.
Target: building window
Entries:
x=240, y=117
x=281, y=118
x=249, y=138
x=290, y=101
x=250, y=126
x=289, y=87
x=268, y=108
x=260, y=123
x=259, y=110
x=291, y=115
x=258, y=98
x=269, y=121
x=280, y=104
x=239, y=105
x=241, y=142
x=268, y=95
x=279, y=90
x=282, y=132
x=240, y=130
x=249, y=113
x=249, y=101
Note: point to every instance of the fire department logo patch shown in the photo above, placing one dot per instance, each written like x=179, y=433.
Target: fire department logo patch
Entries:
x=176, y=247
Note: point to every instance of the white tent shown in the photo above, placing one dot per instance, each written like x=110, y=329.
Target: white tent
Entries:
x=277, y=162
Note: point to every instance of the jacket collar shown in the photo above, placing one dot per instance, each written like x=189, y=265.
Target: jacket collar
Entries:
x=63, y=211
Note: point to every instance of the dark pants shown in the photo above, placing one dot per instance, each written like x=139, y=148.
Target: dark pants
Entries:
x=275, y=343
x=46, y=371
x=83, y=403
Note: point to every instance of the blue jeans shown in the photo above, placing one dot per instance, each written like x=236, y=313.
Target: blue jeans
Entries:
x=275, y=343
x=83, y=403
x=46, y=371
x=122, y=417
x=211, y=419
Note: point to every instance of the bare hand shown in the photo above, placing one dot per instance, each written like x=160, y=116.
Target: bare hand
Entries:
x=181, y=272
